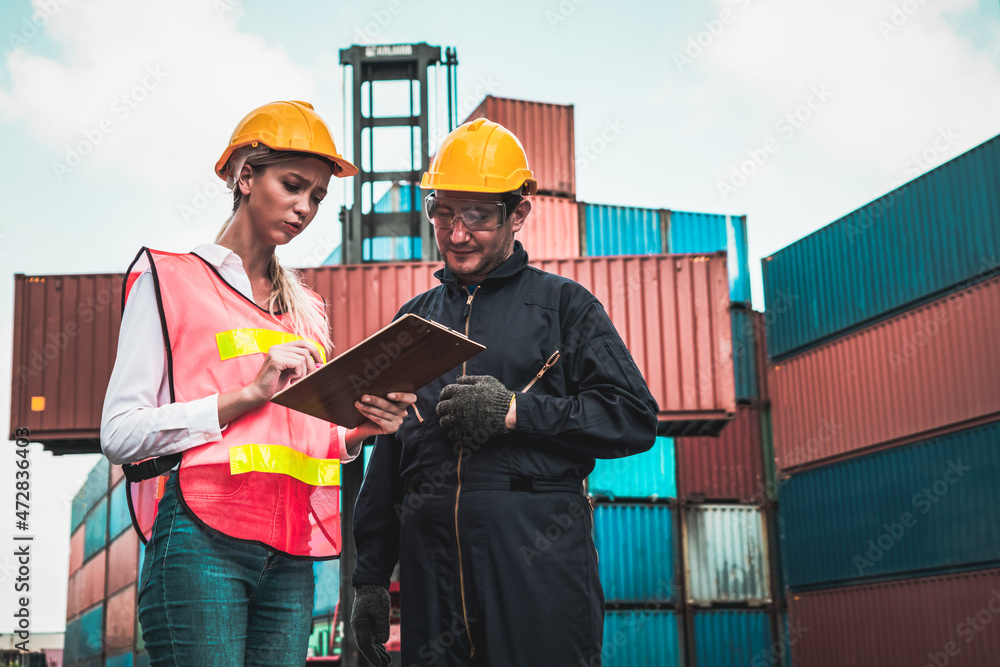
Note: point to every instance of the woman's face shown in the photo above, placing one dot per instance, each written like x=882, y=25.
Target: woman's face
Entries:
x=283, y=198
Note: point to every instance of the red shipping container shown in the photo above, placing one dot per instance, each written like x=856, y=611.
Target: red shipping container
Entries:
x=123, y=561
x=929, y=371
x=65, y=342
x=545, y=131
x=552, y=230
x=726, y=468
x=86, y=585
x=119, y=627
x=951, y=620
x=76, y=549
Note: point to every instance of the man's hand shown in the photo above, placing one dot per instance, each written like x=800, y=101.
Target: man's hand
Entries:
x=475, y=409
x=370, y=622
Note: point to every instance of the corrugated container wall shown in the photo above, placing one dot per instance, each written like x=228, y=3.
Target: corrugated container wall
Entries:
x=622, y=230
x=671, y=311
x=949, y=620
x=327, y=593
x=93, y=489
x=710, y=232
x=725, y=468
x=65, y=341
x=930, y=369
x=641, y=639
x=647, y=475
x=731, y=638
x=726, y=555
x=924, y=238
x=916, y=509
x=636, y=548
x=546, y=132
x=759, y=322
x=744, y=355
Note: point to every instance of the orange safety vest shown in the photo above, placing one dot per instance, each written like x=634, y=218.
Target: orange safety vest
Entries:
x=274, y=478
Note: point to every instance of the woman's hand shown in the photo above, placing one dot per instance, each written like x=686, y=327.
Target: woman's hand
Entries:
x=384, y=416
x=283, y=363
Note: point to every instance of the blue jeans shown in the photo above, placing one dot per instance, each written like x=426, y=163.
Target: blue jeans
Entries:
x=206, y=600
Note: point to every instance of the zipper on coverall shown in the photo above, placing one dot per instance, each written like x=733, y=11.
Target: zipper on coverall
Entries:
x=458, y=491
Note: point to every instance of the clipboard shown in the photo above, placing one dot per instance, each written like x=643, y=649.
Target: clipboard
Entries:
x=404, y=356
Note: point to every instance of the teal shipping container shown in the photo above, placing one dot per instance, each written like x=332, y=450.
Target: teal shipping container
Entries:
x=710, y=232
x=119, y=518
x=744, y=355
x=647, y=475
x=96, y=529
x=83, y=638
x=918, y=509
x=635, y=545
x=622, y=230
x=939, y=232
x=327, y=593
x=641, y=638
x=122, y=660
x=731, y=638
x=90, y=493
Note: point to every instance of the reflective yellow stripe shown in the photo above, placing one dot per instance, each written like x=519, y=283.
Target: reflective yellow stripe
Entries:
x=240, y=342
x=285, y=461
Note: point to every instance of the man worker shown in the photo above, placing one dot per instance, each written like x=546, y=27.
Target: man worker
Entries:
x=479, y=494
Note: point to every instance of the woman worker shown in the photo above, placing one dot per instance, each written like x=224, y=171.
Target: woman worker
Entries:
x=207, y=338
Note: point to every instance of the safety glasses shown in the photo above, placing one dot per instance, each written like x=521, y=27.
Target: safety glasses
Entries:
x=477, y=216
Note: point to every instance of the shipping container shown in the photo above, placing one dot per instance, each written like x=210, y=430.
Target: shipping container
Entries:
x=622, y=230
x=641, y=638
x=771, y=481
x=96, y=485
x=545, y=131
x=76, y=550
x=731, y=638
x=710, y=232
x=119, y=518
x=924, y=238
x=726, y=555
x=744, y=355
x=123, y=561
x=96, y=529
x=121, y=660
x=552, y=229
x=932, y=621
x=724, y=468
x=65, y=340
x=88, y=635
x=917, y=509
x=647, y=475
x=86, y=586
x=672, y=311
x=119, y=634
x=391, y=248
x=930, y=370
x=327, y=592
x=759, y=322
x=635, y=545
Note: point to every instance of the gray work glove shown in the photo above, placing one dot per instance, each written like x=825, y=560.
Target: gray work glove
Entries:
x=474, y=409
x=370, y=622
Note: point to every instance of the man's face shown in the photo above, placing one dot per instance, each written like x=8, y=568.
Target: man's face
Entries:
x=470, y=255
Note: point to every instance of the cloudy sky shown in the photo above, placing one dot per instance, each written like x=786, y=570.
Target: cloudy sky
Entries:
x=113, y=112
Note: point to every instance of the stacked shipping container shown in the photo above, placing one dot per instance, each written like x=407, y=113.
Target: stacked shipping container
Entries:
x=886, y=416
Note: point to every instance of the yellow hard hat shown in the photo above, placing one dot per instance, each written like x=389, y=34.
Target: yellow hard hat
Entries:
x=481, y=156
x=286, y=126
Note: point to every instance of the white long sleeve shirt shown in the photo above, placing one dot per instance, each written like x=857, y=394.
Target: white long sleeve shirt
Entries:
x=138, y=420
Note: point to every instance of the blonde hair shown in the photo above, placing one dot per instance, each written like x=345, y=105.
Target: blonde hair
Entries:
x=289, y=294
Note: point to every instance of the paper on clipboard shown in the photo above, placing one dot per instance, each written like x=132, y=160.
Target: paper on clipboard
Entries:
x=403, y=357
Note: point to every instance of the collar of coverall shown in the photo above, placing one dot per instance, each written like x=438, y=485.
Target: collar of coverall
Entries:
x=510, y=267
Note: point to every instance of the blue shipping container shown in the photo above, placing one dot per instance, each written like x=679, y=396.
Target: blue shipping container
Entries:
x=327, y=593
x=641, y=639
x=622, y=230
x=930, y=236
x=123, y=660
x=90, y=493
x=710, y=232
x=635, y=544
x=95, y=530
x=120, y=518
x=913, y=510
x=390, y=248
x=90, y=638
x=732, y=638
x=647, y=475
x=744, y=357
